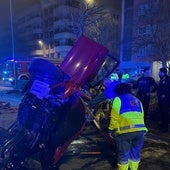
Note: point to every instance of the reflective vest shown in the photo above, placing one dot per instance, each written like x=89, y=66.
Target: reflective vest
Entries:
x=127, y=115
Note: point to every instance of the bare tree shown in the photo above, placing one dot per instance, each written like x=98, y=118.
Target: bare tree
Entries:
x=97, y=23
x=84, y=16
x=152, y=28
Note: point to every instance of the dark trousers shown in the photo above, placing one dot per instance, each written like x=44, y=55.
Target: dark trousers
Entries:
x=145, y=102
x=164, y=106
x=129, y=146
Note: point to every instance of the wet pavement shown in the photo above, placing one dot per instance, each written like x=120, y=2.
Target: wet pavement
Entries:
x=90, y=151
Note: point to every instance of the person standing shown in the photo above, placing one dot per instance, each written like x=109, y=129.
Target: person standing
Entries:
x=145, y=86
x=127, y=127
x=164, y=98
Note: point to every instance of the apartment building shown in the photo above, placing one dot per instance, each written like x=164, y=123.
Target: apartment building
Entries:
x=46, y=29
x=151, y=33
x=28, y=32
x=43, y=30
x=127, y=65
x=145, y=30
x=58, y=37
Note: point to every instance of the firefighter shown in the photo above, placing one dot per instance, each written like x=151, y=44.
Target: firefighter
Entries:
x=127, y=127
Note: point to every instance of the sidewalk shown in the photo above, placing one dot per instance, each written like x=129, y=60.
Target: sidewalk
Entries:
x=11, y=96
x=9, y=103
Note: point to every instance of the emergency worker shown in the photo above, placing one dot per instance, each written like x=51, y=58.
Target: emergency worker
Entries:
x=164, y=99
x=127, y=127
x=145, y=86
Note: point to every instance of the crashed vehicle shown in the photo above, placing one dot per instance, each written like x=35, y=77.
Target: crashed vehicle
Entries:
x=52, y=112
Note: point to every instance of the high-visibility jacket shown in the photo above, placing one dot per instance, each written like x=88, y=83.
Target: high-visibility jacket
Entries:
x=127, y=115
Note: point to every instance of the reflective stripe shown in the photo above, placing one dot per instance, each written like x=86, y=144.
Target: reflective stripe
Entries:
x=131, y=126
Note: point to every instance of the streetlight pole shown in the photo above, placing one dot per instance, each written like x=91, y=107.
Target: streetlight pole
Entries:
x=122, y=33
x=13, y=45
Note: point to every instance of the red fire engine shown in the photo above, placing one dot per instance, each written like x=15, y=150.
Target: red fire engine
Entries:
x=20, y=69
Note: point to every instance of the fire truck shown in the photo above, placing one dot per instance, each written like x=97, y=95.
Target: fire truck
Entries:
x=11, y=67
x=21, y=70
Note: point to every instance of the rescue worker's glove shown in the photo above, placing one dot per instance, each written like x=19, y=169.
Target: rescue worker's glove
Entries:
x=112, y=134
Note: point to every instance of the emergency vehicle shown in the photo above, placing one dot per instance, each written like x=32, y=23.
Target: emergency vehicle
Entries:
x=20, y=67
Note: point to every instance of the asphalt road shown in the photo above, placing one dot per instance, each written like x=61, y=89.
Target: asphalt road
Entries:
x=9, y=94
x=90, y=151
x=5, y=85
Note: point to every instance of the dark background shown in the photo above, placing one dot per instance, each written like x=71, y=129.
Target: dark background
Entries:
x=17, y=6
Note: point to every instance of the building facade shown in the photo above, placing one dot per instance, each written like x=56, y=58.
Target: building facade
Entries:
x=145, y=35
x=46, y=29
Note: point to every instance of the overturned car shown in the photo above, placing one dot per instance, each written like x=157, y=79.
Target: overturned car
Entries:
x=52, y=112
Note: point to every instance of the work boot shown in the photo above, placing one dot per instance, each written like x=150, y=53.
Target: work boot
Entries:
x=122, y=166
x=133, y=165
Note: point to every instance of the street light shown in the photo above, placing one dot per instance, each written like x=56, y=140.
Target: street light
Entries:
x=13, y=45
x=40, y=42
x=42, y=45
x=90, y=2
